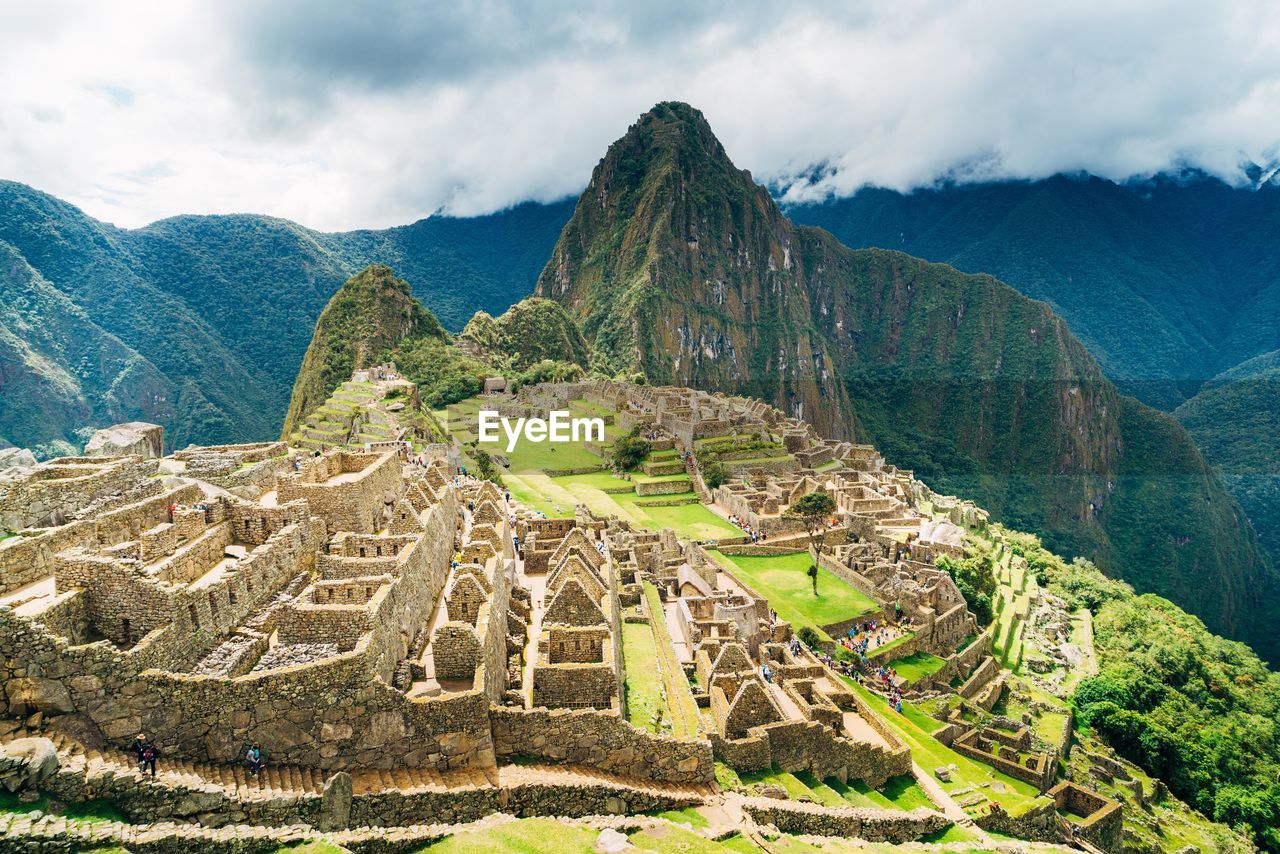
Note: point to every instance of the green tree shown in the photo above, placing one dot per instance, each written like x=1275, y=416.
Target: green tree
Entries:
x=813, y=510
x=485, y=466
x=630, y=451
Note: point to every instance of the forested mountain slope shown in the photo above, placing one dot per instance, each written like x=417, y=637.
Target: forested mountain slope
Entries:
x=211, y=314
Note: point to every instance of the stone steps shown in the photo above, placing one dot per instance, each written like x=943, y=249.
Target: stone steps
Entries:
x=285, y=781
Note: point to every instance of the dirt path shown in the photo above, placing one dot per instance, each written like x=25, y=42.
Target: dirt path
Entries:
x=946, y=803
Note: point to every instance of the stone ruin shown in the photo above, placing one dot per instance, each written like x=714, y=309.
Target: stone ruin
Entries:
x=395, y=633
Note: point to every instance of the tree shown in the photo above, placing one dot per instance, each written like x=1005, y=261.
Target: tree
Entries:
x=629, y=452
x=813, y=510
x=485, y=466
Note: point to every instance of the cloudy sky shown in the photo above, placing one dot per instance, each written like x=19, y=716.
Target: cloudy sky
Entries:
x=347, y=115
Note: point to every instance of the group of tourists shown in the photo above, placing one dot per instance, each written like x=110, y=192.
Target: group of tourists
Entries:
x=146, y=752
x=756, y=535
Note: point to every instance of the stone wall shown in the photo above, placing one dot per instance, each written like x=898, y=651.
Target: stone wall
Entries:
x=662, y=487
x=576, y=686
x=798, y=746
x=1038, y=823
x=60, y=489
x=872, y=825
x=345, y=503
x=455, y=649
x=602, y=740
x=1103, y=820
x=1033, y=767
x=29, y=557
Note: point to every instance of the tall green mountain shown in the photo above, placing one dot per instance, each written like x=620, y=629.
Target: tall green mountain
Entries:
x=200, y=323
x=1172, y=283
x=680, y=267
x=1168, y=281
x=1235, y=419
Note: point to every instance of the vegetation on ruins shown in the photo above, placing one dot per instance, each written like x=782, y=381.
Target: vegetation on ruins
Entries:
x=981, y=391
x=713, y=474
x=531, y=331
x=974, y=575
x=629, y=451
x=375, y=319
x=485, y=466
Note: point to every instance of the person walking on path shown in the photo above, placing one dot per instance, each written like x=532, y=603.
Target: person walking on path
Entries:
x=148, y=760
x=137, y=747
x=254, y=757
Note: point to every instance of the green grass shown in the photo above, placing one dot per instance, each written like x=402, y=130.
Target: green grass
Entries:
x=601, y=480
x=914, y=728
x=681, y=708
x=643, y=685
x=917, y=666
x=557, y=496
x=902, y=792
x=782, y=579
x=660, y=478
x=794, y=788
x=726, y=777
x=88, y=811
x=950, y=833
x=528, y=836
x=688, y=815
x=899, y=641
x=544, y=456
x=820, y=791
x=851, y=795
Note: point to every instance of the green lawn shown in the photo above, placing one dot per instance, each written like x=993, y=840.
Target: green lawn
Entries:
x=643, y=685
x=528, y=835
x=917, y=666
x=782, y=579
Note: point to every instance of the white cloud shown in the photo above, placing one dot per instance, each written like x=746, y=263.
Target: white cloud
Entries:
x=367, y=115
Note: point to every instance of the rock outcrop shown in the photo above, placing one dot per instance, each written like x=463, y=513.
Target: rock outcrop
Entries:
x=136, y=438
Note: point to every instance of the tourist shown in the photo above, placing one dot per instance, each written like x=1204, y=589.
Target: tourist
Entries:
x=147, y=758
x=254, y=757
x=138, y=744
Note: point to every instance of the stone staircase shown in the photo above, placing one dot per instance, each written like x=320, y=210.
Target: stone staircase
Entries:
x=288, y=782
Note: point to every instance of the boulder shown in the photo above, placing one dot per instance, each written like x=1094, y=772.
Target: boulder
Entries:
x=335, y=803
x=16, y=458
x=27, y=763
x=611, y=841
x=132, y=438
x=28, y=694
